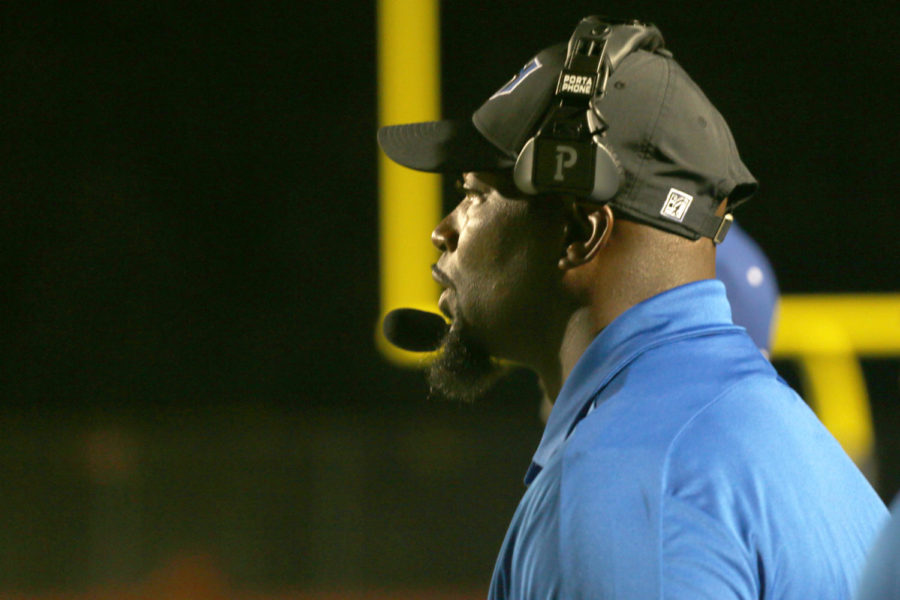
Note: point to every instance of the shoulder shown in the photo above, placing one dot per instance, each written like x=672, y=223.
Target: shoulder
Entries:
x=701, y=452
x=748, y=411
x=757, y=426
x=646, y=443
x=679, y=396
x=757, y=473
x=617, y=484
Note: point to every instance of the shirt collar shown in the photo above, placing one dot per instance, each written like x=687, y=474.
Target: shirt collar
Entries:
x=685, y=311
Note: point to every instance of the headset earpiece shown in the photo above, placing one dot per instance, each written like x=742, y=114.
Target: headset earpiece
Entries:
x=606, y=176
x=569, y=154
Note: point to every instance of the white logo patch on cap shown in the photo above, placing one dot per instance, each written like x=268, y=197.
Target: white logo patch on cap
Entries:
x=676, y=205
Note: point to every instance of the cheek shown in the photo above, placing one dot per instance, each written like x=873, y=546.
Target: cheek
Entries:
x=491, y=252
x=510, y=272
x=489, y=265
x=508, y=238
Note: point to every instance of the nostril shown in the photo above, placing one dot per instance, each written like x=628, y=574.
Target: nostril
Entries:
x=444, y=237
x=452, y=238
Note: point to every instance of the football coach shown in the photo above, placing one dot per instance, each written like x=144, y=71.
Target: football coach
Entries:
x=675, y=462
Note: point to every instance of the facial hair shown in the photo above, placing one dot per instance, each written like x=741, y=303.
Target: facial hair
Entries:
x=464, y=370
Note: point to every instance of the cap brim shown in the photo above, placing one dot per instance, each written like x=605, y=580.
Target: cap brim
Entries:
x=451, y=146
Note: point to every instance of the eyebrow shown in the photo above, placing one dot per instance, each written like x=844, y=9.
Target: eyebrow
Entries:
x=461, y=186
x=475, y=187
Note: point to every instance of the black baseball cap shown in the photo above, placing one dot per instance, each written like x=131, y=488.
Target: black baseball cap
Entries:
x=677, y=154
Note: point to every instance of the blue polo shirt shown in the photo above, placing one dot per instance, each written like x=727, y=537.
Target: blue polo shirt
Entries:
x=677, y=464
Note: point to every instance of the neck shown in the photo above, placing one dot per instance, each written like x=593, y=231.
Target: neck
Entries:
x=639, y=263
x=577, y=336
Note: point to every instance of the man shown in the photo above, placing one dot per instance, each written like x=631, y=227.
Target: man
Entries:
x=675, y=463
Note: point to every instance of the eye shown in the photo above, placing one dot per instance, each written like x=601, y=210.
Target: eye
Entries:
x=474, y=197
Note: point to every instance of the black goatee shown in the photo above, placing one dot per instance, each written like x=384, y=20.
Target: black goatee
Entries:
x=464, y=370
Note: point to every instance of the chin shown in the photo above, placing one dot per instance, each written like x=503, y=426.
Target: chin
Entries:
x=464, y=370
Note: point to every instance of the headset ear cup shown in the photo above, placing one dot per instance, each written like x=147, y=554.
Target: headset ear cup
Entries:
x=607, y=174
x=523, y=172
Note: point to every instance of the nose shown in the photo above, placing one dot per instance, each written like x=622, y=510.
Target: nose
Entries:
x=445, y=236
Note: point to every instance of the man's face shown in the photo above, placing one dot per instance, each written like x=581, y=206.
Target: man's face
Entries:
x=499, y=268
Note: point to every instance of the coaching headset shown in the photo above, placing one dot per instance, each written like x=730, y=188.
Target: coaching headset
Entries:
x=568, y=153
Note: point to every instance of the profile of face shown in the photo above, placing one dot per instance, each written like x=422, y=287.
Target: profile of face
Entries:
x=499, y=267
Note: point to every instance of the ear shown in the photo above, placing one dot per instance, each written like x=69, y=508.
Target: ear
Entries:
x=588, y=232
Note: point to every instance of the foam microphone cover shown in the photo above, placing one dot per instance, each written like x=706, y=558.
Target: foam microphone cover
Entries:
x=414, y=330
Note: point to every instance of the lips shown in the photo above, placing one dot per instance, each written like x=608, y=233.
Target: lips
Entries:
x=441, y=277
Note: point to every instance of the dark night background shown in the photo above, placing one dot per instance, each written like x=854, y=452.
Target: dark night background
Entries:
x=189, y=263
